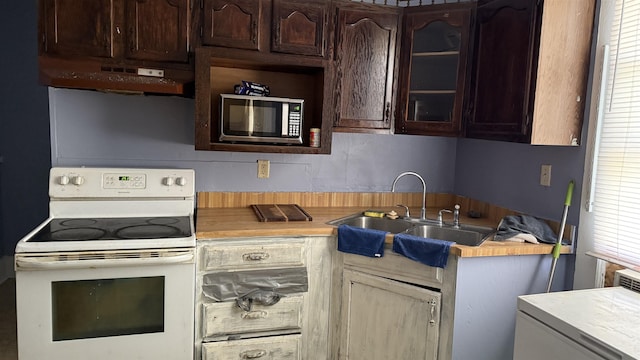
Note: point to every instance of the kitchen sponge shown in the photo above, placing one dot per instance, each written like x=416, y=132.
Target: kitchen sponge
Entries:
x=374, y=213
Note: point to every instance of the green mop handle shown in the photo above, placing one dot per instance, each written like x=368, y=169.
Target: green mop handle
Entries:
x=567, y=203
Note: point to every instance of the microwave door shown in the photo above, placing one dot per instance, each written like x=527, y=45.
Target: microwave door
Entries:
x=239, y=117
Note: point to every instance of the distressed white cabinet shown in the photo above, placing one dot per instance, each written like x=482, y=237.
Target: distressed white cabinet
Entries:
x=296, y=327
x=386, y=319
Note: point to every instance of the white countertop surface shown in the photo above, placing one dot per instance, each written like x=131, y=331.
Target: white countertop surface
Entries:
x=607, y=316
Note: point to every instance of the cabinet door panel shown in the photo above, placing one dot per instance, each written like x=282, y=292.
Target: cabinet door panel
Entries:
x=365, y=58
x=157, y=30
x=79, y=28
x=385, y=319
x=502, y=74
x=234, y=24
x=299, y=27
x=433, y=72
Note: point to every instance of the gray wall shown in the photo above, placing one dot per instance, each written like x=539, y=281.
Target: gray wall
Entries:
x=24, y=127
x=96, y=129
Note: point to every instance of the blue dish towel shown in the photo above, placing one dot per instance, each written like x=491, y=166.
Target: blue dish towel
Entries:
x=355, y=240
x=432, y=252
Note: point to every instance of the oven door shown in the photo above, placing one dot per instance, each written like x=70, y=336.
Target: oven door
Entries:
x=106, y=305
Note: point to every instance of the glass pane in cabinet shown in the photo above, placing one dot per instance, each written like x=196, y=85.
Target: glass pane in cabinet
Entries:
x=434, y=72
x=431, y=107
x=438, y=36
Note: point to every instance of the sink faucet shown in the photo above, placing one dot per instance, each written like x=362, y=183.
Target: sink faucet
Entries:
x=423, y=210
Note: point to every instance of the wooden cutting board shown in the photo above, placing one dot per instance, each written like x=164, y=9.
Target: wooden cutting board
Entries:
x=280, y=212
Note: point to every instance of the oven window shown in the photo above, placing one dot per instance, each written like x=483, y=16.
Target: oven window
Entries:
x=107, y=307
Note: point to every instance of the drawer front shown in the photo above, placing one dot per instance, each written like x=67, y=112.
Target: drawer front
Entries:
x=395, y=266
x=251, y=256
x=225, y=318
x=268, y=348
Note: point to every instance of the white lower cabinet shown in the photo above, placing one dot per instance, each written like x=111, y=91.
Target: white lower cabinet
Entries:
x=288, y=347
x=387, y=319
x=236, y=282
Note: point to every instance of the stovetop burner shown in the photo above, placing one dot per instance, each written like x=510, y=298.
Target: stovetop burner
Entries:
x=90, y=229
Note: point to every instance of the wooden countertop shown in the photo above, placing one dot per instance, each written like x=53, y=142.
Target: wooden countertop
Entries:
x=220, y=223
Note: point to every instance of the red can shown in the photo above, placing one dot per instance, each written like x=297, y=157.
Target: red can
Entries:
x=314, y=137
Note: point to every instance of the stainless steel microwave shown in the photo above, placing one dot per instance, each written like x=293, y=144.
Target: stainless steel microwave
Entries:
x=261, y=119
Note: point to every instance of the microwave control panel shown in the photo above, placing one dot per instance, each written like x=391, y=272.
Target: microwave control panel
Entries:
x=295, y=117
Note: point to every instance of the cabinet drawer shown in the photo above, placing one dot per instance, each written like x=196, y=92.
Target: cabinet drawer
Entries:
x=395, y=266
x=224, y=318
x=251, y=256
x=268, y=348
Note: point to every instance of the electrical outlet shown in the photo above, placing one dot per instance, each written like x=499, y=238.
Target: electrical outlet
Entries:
x=545, y=175
x=263, y=169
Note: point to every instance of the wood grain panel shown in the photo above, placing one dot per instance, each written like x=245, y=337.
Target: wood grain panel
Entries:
x=563, y=61
x=314, y=199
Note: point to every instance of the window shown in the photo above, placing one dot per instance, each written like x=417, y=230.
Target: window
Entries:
x=614, y=198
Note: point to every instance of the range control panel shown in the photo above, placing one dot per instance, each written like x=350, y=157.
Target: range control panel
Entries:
x=120, y=183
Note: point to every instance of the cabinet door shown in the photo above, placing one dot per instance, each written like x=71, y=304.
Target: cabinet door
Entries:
x=433, y=72
x=385, y=319
x=299, y=27
x=502, y=75
x=365, y=58
x=234, y=24
x=78, y=28
x=157, y=30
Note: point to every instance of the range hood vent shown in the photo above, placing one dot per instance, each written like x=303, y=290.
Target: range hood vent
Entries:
x=125, y=78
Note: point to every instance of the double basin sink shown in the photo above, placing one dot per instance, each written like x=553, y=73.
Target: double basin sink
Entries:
x=469, y=235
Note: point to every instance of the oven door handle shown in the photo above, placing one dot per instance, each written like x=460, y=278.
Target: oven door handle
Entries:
x=50, y=262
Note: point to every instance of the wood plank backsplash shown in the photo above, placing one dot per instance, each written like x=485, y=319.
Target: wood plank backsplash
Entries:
x=320, y=199
x=362, y=200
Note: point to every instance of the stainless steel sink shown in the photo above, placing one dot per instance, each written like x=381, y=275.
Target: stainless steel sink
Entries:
x=464, y=235
x=367, y=222
x=469, y=235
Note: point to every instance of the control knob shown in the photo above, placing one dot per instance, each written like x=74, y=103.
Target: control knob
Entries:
x=78, y=180
x=181, y=181
x=168, y=181
x=63, y=180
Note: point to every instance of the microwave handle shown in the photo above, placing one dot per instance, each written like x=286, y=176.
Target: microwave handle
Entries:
x=51, y=263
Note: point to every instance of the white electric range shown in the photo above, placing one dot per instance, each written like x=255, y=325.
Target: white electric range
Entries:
x=110, y=273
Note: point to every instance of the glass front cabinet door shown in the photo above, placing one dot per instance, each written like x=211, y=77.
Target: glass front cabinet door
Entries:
x=433, y=68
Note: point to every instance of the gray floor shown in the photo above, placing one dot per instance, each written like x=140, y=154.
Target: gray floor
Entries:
x=8, y=344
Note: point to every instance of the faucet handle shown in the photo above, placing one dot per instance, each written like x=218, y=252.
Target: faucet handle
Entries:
x=406, y=210
x=456, y=215
x=440, y=222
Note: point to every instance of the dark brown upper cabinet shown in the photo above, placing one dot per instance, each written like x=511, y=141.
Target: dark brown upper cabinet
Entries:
x=283, y=26
x=68, y=30
x=234, y=24
x=165, y=38
x=433, y=67
x=530, y=71
x=299, y=27
x=502, y=81
x=365, y=58
x=103, y=44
